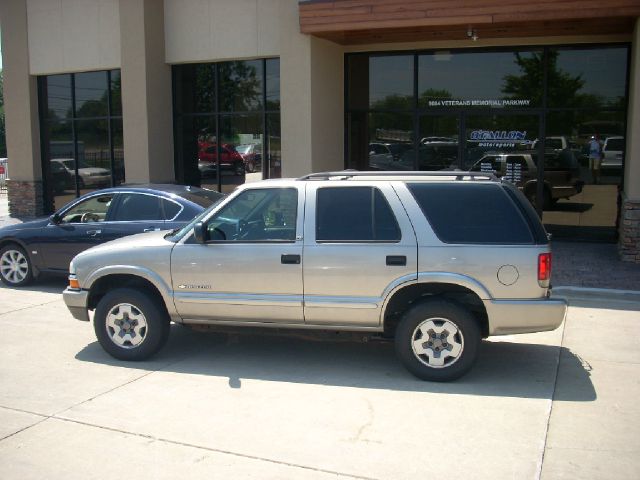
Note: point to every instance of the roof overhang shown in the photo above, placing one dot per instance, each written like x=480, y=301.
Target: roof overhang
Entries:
x=353, y=22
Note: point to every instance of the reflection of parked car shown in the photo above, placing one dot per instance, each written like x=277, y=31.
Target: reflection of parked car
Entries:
x=87, y=176
x=384, y=156
x=49, y=244
x=433, y=156
x=560, y=175
x=251, y=154
x=413, y=259
x=230, y=159
x=61, y=179
x=437, y=139
x=613, y=150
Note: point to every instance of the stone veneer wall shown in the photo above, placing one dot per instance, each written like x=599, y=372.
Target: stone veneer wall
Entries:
x=25, y=198
x=629, y=244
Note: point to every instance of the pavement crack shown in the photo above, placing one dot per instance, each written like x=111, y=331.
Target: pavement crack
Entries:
x=553, y=395
x=43, y=419
x=210, y=449
x=28, y=307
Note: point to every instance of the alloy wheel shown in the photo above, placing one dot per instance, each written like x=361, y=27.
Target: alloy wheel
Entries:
x=126, y=325
x=437, y=342
x=14, y=266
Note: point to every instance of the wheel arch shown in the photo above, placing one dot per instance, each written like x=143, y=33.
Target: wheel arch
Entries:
x=468, y=294
x=102, y=284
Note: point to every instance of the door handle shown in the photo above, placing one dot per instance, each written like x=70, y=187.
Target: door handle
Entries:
x=94, y=233
x=150, y=229
x=396, y=260
x=290, y=259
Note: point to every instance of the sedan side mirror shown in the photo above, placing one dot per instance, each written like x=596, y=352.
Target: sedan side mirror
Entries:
x=200, y=232
x=55, y=218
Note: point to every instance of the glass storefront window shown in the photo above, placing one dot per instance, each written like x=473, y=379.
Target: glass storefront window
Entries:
x=484, y=79
x=116, y=93
x=391, y=142
x=92, y=94
x=494, y=110
x=85, y=152
x=391, y=82
x=58, y=88
x=273, y=83
x=588, y=77
x=241, y=86
x=242, y=112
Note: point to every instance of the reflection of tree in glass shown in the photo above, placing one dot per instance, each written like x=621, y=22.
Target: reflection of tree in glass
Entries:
x=433, y=94
x=563, y=89
x=240, y=86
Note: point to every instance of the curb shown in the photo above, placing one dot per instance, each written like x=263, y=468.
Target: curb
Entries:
x=587, y=293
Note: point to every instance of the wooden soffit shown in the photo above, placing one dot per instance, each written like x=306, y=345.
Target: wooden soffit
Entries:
x=350, y=22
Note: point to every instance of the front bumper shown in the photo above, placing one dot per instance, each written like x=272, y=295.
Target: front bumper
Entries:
x=76, y=301
x=508, y=317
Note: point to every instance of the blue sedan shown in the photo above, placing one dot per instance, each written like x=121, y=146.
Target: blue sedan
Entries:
x=48, y=245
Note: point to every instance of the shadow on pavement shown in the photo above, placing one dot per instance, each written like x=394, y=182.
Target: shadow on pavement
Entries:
x=503, y=369
x=619, y=302
x=45, y=283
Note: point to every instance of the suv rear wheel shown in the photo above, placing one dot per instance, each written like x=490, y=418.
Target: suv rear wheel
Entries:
x=129, y=325
x=438, y=340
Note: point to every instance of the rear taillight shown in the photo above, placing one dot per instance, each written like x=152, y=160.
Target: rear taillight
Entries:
x=544, y=269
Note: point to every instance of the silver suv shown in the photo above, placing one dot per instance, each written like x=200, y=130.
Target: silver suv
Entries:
x=436, y=261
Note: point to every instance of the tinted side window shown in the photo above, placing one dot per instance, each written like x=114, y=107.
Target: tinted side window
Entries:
x=135, y=206
x=354, y=214
x=471, y=213
x=171, y=209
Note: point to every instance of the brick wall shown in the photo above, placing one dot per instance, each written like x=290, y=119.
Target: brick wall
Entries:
x=25, y=198
x=629, y=244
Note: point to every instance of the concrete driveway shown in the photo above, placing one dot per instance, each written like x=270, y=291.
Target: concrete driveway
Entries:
x=561, y=404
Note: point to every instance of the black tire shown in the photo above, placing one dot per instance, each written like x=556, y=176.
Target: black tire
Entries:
x=468, y=335
x=14, y=254
x=153, y=336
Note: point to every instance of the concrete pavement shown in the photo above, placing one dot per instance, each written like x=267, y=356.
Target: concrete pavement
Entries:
x=552, y=405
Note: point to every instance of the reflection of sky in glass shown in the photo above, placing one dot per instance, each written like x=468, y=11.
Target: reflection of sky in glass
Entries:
x=91, y=87
x=468, y=76
x=59, y=95
x=603, y=70
x=273, y=82
x=389, y=76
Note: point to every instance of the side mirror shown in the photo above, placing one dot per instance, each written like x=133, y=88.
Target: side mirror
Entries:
x=55, y=218
x=200, y=232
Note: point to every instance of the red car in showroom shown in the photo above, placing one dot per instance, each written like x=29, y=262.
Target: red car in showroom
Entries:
x=230, y=159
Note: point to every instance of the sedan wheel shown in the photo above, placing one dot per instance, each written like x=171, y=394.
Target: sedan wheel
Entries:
x=15, y=268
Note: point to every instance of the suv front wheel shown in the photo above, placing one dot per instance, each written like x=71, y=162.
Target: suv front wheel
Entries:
x=437, y=340
x=129, y=325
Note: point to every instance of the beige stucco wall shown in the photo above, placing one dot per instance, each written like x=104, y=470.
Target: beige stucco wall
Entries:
x=312, y=92
x=73, y=35
x=211, y=30
x=20, y=94
x=632, y=160
x=146, y=93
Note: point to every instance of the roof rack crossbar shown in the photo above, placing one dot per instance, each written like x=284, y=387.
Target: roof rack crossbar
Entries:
x=346, y=174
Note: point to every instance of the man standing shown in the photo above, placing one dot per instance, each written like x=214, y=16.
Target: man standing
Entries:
x=595, y=158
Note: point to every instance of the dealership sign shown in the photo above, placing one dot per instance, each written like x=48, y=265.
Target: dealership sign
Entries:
x=499, y=138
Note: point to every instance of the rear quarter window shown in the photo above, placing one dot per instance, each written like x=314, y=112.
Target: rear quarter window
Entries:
x=472, y=213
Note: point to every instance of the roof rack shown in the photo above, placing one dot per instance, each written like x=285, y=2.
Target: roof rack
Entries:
x=347, y=174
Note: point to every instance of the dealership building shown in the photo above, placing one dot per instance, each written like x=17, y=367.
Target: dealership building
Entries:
x=215, y=93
